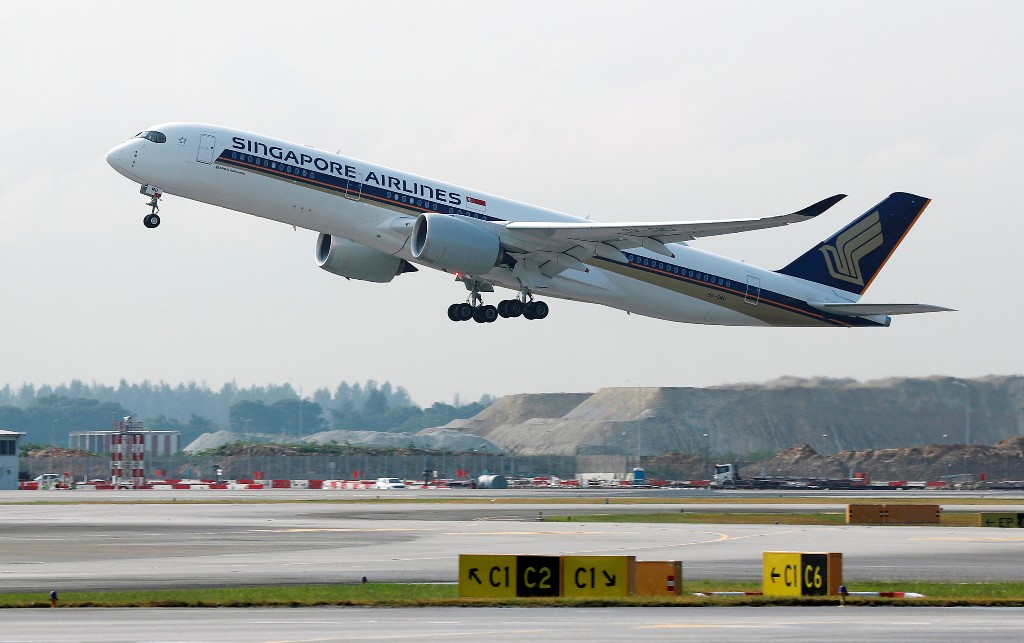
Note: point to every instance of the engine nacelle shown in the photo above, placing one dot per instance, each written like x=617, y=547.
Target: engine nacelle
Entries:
x=340, y=256
x=453, y=244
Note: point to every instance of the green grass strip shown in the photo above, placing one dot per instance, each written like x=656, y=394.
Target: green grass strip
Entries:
x=703, y=518
x=446, y=595
x=286, y=596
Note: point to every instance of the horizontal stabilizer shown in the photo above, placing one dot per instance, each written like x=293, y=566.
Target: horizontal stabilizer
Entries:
x=860, y=310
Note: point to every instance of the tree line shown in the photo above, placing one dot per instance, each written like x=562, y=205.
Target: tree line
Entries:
x=47, y=414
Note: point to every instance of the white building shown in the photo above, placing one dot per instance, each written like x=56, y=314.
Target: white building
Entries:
x=9, y=459
x=158, y=443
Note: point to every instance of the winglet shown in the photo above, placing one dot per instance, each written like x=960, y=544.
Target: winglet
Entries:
x=819, y=207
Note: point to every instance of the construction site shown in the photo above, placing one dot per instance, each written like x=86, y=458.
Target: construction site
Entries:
x=930, y=430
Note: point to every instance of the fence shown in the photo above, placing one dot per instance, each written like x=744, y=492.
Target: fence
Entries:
x=300, y=467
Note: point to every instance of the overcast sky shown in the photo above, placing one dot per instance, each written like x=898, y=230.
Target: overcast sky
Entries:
x=620, y=111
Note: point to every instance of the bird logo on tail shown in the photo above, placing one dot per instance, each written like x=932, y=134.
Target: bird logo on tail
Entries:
x=843, y=259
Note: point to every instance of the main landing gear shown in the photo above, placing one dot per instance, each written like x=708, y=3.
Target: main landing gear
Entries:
x=476, y=310
x=152, y=219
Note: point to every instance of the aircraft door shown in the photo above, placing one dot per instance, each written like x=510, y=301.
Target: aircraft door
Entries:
x=355, y=187
x=207, y=143
x=753, y=294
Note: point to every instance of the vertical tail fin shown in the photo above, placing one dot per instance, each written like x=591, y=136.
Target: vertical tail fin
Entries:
x=851, y=258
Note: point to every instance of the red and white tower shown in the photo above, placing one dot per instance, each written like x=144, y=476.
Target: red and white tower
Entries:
x=128, y=454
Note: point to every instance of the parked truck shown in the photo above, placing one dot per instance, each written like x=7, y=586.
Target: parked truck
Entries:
x=726, y=475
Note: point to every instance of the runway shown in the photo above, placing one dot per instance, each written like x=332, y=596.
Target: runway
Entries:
x=72, y=547
x=791, y=624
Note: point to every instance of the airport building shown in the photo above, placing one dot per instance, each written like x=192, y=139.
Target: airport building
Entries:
x=9, y=459
x=157, y=443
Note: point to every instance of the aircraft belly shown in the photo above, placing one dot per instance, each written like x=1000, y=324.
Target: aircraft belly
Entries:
x=281, y=201
x=585, y=286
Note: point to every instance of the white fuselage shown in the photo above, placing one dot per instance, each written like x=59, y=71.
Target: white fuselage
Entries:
x=372, y=205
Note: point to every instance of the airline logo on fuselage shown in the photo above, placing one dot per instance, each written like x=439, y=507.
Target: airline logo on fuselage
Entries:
x=843, y=259
x=328, y=166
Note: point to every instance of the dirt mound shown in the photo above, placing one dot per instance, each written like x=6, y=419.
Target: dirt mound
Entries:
x=1013, y=446
x=679, y=466
x=799, y=461
x=828, y=415
x=923, y=463
x=57, y=452
x=517, y=409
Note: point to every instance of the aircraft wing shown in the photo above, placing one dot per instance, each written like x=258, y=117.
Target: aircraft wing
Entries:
x=880, y=309
x=630, y=235
x=545, y=249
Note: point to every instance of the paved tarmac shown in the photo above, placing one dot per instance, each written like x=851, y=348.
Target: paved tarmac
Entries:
x=523, y=625
x=124, y=546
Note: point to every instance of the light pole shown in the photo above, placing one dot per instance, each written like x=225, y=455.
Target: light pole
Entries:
x=53, y=429
x=444, y=457
x=967, y=413
x=248, y=451
x=707, y=453
x=639, y=419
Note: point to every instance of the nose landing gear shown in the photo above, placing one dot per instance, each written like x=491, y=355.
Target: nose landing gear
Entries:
x=152, y=219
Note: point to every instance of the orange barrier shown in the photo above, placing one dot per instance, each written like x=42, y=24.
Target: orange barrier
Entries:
x=915, y=514
x=865, y=514
x=659, y=578
x=893, y=514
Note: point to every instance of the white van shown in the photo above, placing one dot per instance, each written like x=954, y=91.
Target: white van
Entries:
x=389, y=483
x=48, y=481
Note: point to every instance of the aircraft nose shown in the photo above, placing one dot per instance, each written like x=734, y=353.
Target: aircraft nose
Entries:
x=122, y=159
x=116, y=157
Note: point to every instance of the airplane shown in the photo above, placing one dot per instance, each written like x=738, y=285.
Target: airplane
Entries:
x=376, y=223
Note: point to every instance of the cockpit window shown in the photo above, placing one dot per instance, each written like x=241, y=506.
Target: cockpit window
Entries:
x=156, y=137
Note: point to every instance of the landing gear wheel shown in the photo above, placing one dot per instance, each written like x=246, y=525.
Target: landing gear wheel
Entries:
x=151, y=220
x=463, y=312
x=502, y=309
x=513, y=308
x=528, y=311
x=540, y=310
x=453, y=312
x=485, y=314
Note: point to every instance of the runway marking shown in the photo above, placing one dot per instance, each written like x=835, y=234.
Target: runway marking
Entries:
x=426, y=635
x=304, y=530
x=708, y=626
x=540, y=533
x=329, y=638
x=740, y=626
x=969, y=539
x=721, y=538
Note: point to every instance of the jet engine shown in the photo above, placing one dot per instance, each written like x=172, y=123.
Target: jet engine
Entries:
x=454, y=244
x=340, y=256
